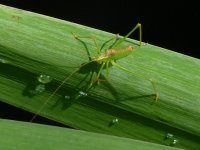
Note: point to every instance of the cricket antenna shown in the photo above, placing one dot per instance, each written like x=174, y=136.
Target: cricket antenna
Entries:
x=56, y=90
x=41, y=108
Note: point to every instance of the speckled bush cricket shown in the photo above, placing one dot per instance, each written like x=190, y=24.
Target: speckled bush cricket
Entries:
x=104, y=59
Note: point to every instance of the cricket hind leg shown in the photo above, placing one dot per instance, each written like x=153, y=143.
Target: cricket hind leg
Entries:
x=110, y=40
x=138, y=26
x=153, y=83
x=97, y=79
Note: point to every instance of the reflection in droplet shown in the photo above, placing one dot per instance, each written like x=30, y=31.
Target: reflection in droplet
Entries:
x=82, y=94
x=44, y=78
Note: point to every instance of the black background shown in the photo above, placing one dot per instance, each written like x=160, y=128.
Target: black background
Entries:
x=170, y=25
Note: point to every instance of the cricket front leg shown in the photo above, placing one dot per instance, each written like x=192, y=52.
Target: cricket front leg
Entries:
x=106, y=64
x=97, y=80
x=93, y=38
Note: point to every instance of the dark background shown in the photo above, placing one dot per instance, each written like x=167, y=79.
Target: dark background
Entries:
x=170, y=25
x=173, y=26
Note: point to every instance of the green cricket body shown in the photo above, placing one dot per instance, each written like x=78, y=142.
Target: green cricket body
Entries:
x=113, y=54
x=106, y=58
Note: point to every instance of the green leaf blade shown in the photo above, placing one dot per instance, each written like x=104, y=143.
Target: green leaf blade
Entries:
x=33, y=44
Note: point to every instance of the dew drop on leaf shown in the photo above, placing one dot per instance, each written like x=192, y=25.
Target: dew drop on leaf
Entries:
x=114, y=121
x=40, y=88
x=174, y=142
x=82, y=94
x=67, y=97
x=169, y=136
x=44, y=79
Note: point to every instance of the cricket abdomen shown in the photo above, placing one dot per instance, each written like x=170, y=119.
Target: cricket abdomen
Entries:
x=114, y=54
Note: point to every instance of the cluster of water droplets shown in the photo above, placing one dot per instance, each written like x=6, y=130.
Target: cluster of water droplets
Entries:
x=44, y=79
x=169, y=136
x=173, y=141
x=79, y=95
x=114, y=121
x=40, y=86
x=82, y=94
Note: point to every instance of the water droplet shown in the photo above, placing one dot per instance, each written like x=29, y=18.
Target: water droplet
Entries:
x=174, y=142
x=3, y=61
x=37, y=90
x=82, y=94
x=40, y=88
x=44, y=78
x=114, y=121
x=169, y=136
x=67, y=97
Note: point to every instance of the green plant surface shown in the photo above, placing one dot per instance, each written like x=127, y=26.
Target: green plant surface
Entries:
x=33, y=45
x=23, y=136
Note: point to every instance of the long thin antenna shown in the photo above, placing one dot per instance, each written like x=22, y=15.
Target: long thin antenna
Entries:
x=36, y=114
